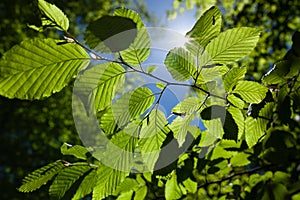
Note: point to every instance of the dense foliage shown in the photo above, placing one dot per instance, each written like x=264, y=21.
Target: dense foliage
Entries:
x=247, y=149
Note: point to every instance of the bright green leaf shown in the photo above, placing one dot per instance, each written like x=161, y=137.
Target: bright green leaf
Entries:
x=237, y=102
x=253, y=131
x=233, y=76
x=153, y=133
x=53, y=16
x=180, y=127
x=38, y=68
x=238, y=117
x=181, y=64
x=76, y=150
x=187, y=106
x=240, y=159
x=172, y=190
x=230, y=46
x=205, y=29
x=86, y=186
x=40, y=177
x=100, y=83
x=251, y=92
x=65, y=178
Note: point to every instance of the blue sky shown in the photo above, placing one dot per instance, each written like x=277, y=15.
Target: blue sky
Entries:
x=183, y=23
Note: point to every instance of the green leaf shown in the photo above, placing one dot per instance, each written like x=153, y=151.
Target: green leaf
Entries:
x=150, y=69
x=240, y=159
x=40, y=177
x=66, y=178
x=180, y=127
x=237, y=102
x=100, y=83
x=233, y=76
x=214, y=131
x=39, y=67
x=253, y=131
x=211, y=73
x=76, y=150
x=180, y=63
x=108, y=180
x=207, y=27
x=139, y=50
x=172, y=190
x=86, y=186
x=160, y=85
x=238, y=117
x=153, y=134
x=187, y=106
x=115, y=32
x=53, y=16
x=127, y=108
x=251, y=92
x=230, y=46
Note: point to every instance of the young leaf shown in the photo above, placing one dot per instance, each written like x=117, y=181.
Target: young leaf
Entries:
x=180, y=127
x=210, y=74
x=101, y=82
x=238, y=117
x=172, y=189
x=116, y=32
x=108, y=180
x=237, y=102
x=207, y=27
x=39, y=67
x=240, y=159
x=64, y=180
x=53, y=16
x=250, y=91
x=86, y=186
x=181, y=64
x=139, y=50
x=230, y=46
x=233, y=76
x=187, y=106
x=127, y=108
x=40, y=177
x=253, y=131
x=214, y=130
x=153, y=134
x=78, y=151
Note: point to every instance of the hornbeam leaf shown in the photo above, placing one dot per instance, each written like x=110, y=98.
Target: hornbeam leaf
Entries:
x=127, y=108
x=233, y=76
x=116, y=32
x=40, y=177
x=66, y=178
x=108, y=180
x=253, y=131
x=78, y=151
x=153, y=133
x=100, y=83
x=180, y=127
x=139, y=50
x=39, y=67
x=207, y=27
x=230, y=46
x=181, y=64
x=250, y=91
x=86, y=186
x=54, y=16
x=172, y=189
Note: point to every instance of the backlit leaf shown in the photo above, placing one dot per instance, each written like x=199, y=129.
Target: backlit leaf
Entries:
x=38, y=68
x=251, y=92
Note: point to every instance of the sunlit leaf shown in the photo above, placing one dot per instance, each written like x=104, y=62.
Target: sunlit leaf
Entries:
x=253, y=131
x=240, y=159
x=64, y=180
x=180, y=127
x=38, y=68
x=172, y=190
x=86, y=186
x=150, y=69
x=40, y=177
x=53, y=16
x=99, y=84
x=251, y=92
x=181, y=64
x=76, y=150
x=230, y=46
x=233, y=76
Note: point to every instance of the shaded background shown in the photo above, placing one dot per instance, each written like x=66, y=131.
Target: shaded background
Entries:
x=31, y=133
